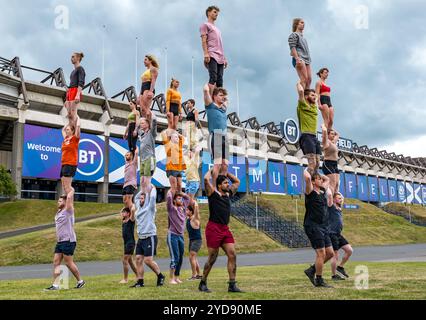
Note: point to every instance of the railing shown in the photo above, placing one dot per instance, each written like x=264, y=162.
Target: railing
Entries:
x=14, y=67
x=287, y=233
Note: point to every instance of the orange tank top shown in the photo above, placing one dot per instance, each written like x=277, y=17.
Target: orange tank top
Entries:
x=70, y=151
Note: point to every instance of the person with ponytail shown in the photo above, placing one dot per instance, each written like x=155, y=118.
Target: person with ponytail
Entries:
x=149, y=80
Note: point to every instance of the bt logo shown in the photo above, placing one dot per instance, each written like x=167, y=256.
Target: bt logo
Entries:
x=91, y=158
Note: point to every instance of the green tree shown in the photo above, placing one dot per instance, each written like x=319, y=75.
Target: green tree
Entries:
x=7, y=186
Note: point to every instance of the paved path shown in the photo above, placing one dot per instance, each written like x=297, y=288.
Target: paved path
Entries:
x=19, y=232
x=406, y=253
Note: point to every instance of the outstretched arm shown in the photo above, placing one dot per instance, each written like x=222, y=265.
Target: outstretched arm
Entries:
x=64, y=134
x=197, y=211
x=308, y=182
x=78, y=128
x=133, y=213
x=207, y=97
x=300, y=91
x=325, y=141
x=70, y=200
x=170, y=196
x=235, y=182
x=325, y=182
x=329, y=198
x=208, y=185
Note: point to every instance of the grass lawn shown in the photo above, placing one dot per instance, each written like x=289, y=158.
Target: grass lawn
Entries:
x=100, y=240
x=367, y=226
x=416, y=210
x=22, y=214
x=387, y=281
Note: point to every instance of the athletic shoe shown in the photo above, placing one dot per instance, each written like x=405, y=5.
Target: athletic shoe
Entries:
x=192, y=279
x=80, y=285
x=52, y=288
x=310, y=273
x=234, y=288
x=342, y=272
x=337, y=277
x=139, y=284
x=199, y=277
x=160, y=280
x=320, y=283
x=203, y=287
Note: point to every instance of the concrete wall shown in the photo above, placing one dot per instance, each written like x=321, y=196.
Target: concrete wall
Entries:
x=6, y=159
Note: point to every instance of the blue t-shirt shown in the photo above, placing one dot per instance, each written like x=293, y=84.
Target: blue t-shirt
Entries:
x=216, y=118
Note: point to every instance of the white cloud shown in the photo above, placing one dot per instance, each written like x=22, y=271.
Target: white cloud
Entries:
x=414, y=148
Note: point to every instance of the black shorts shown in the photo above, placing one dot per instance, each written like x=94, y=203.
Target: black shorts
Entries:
x=330, y=167
x=66, y=248
x=146, y=86
x=220, y=151
x=147, y=247
x=129, y=248
x=326, y=100
x=318, y=236
x=338, y=241
x=176, y=174
x=309, y=144
x=174, y=108
x=68, y=171
x=129, y=191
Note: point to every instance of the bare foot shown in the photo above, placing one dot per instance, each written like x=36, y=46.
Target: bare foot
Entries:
x=173, y=282
x=124, y=281
x=179, y=281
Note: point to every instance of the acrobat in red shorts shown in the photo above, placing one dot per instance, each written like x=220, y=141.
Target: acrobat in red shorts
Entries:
x=217, y=235
x=72, y=94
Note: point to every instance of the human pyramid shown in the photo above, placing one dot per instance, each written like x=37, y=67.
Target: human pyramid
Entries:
x=184, y=159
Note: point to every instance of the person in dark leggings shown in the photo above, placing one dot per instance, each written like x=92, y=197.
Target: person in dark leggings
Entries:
x=131, y=134
x=214, y=57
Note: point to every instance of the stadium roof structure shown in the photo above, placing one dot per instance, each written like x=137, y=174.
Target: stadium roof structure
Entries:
x=41, y=102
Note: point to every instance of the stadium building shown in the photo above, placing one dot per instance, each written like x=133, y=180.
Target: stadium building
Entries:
x=266, y=158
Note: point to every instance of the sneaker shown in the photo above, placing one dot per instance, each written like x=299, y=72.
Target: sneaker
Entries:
x=80, y=285
x=199, y=277
x=320, y=283
x=203, y=287
x=342, y=272
x=160, y=280
x=234, y=288
x=52, y=288
x=310, y=273
x=139, y=284
x=337, y=277
x=192, y=279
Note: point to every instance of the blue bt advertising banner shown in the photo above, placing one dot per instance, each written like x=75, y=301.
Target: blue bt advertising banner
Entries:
x=42, y=153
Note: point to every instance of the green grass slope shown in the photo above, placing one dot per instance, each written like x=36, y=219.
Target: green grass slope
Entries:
x=367, y=226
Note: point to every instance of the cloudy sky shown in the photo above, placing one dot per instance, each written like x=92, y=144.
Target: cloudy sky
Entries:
x=375, y=50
